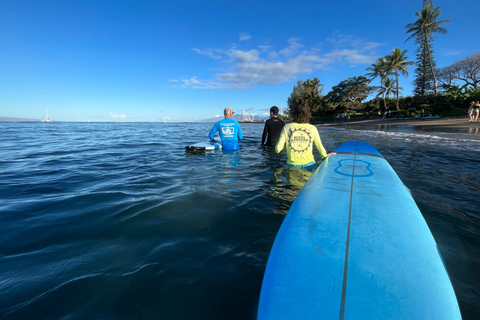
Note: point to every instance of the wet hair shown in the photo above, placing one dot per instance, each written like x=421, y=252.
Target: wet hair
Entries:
x=301, y=112
x=274, y=110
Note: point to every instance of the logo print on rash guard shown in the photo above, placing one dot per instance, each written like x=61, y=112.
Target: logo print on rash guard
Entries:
x=300, y=139
x=228, y=130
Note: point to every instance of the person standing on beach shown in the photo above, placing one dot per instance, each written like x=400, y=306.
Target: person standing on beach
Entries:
x=229, y=131
x=273, y=128
x=470, y=109
x=475, y=111
x=299, y=136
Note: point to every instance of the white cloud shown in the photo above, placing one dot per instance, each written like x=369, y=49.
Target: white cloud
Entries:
x=351, y=56
x=453, y=52
x=207, y=52
x=243, y=56
x=115, y=115
x=244, y=36
x=264, y=72
x=293, y=47
x=265, y=47
x=246, y=68
x=195, y=83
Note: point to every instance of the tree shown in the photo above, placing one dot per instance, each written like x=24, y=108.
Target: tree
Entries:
x=389, y=88
x=379, y=69
x=397, y=61
x=423, y=83
x=294, y=96
x=456, y=94
x=467, y=70
x=349, y=93
x=310, y=90
x=426, y=25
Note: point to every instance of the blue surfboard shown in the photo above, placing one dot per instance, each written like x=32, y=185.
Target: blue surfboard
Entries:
x=354, y=245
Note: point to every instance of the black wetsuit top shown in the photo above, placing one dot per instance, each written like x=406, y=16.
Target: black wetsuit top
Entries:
x=273, y=128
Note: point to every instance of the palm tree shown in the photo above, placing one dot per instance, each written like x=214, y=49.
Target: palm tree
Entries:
x=389, y=88
x=426, y=25
x=397, y=61
x=379, y=69
x=313, y=86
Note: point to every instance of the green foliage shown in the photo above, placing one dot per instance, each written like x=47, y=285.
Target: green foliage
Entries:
x=372, y=106
x=473, y=95
x=349, y=93
x=310, y=90
x=424, y=83
x=380, y=69
x=425, y=25
x=397, y=60
x=389, y=88
x=418, y=100
x=455, y=95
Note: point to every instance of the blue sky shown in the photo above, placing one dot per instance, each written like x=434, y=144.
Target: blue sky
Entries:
x=107, y=60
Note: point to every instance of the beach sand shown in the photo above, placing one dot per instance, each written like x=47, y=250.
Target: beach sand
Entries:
x=455, y=122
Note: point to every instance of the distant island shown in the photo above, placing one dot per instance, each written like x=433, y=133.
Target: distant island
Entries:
x=9, y=119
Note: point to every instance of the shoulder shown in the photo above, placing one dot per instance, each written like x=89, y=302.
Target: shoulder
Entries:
x=309, y=127
x=313, y=127
x=277, y=120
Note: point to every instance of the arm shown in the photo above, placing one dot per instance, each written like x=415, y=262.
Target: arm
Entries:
x=240, y=134
x=213, y=131
x=319, y=145
x=281, y=141
x=264, y=135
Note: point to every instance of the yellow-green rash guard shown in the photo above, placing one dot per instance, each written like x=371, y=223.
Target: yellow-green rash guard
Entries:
x=300, y=138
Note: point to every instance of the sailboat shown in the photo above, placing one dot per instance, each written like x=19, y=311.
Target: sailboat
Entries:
x=47, y=119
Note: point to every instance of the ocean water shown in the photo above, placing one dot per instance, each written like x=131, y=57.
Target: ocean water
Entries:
x=118, y=221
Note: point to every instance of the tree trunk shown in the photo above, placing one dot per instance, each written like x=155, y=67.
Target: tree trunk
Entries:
x=383, y=94
x=396, y=76
x=431, y=65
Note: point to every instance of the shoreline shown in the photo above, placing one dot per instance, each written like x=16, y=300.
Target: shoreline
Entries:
x=446, y=122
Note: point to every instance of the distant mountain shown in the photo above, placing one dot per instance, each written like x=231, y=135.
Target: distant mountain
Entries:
x=235, y=117
x=215, y=119
x=9, y=119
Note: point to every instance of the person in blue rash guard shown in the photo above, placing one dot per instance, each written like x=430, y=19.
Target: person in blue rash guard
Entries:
x=229, y=131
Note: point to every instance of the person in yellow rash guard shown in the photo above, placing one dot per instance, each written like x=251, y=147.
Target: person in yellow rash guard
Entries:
x=299, y=136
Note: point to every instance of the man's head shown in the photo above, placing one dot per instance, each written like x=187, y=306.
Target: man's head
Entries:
x=274, y=111
x=228, y=112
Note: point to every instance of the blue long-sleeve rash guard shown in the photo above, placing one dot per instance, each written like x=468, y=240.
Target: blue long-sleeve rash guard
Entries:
x=230, y=132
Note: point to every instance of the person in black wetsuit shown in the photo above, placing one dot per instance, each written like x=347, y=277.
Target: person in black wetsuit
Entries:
x=273, y=128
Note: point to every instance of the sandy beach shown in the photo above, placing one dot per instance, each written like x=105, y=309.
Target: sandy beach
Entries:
x=454, y=122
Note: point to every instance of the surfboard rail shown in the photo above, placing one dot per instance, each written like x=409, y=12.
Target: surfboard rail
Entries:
x=204, y=146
